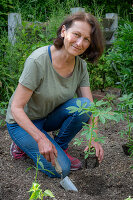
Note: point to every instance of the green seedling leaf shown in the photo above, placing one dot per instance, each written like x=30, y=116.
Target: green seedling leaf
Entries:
x=129, y=198
x=86, y=155
x=41, y=164
x=78, y=103
x=78, y=141
x=84, y=105
x=88, y=136
x=102, y=119
x=100, y=103
x=72, y=109
x=82, y=112
x=94, y=133
x=84, y=132
x=29, y=168
x=48, y=193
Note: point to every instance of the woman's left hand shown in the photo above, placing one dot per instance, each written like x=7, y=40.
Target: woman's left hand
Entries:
x=99, y=150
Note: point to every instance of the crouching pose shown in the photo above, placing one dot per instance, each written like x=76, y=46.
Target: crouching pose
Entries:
x=51, y=77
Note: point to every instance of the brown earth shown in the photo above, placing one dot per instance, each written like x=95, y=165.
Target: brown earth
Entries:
x=112, y=180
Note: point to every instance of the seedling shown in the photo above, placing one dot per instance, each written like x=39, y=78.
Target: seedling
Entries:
x=35, y=191
x=125, y=107
x=129, y=198
x=98, y=109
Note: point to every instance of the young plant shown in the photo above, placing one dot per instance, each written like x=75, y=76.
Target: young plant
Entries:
x=35, y=191
x=129, y=198
x=125, y=107
x=98, y=109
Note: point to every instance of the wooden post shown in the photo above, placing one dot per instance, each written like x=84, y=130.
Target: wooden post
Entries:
x=14, y=20
x=77, y=9
x=114, y=25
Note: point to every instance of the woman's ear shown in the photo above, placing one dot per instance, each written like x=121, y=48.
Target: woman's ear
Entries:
x=63, y=31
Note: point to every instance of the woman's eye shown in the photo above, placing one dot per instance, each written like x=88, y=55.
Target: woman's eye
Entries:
x=76, y=34
x=86, y=39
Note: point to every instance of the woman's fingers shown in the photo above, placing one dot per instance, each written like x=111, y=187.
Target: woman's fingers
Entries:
x=99, y=150
x=48, y=150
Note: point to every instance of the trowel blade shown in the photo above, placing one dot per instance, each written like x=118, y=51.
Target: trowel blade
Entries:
x=67, y=184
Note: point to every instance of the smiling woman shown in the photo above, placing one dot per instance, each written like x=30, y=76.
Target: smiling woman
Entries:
x=51, y=77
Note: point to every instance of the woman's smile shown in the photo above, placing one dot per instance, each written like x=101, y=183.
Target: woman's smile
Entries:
x=76, y=38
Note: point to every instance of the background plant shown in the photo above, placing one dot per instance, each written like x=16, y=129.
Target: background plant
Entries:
x=119, y=57
x=125, y=107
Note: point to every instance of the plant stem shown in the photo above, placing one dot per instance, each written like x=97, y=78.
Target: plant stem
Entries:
x=91, y=131
x=129, y=129
x=37, y=168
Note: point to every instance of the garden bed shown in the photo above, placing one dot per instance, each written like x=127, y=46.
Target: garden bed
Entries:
x=112, y=180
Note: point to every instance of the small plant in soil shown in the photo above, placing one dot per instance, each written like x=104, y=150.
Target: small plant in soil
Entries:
x=129, y=198
x=35, y=190
x=99, y=110
x=125, y=107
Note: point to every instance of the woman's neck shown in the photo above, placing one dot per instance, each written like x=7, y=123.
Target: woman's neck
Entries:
x=61, y=56
x=62, y=62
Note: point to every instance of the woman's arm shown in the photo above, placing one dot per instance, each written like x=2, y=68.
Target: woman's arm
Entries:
x=21, y=97
x=86, y=92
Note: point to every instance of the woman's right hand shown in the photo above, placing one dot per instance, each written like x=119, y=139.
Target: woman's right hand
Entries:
x=47, y=149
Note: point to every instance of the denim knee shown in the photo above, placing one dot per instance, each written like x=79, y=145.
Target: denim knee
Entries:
x=85, y=100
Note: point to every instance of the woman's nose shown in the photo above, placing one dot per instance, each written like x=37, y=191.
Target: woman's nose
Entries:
x=79, y=41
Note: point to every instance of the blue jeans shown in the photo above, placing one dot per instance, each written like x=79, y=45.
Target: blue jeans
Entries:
x=68, y=123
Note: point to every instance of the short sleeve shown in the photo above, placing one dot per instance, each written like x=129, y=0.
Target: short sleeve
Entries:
x=85, y=76
x=31, y=75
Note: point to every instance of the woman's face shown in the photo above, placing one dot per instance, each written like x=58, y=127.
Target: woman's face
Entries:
x=76, y=38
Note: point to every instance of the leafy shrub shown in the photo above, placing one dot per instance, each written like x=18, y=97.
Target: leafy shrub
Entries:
x=120, y=57
x=100, y=74
x=13, y=57
x=115, y=66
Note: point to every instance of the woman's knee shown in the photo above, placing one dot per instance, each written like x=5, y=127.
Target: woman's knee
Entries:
x=52, y=173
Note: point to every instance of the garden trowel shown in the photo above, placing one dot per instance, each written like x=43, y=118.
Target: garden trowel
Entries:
x=66, y=183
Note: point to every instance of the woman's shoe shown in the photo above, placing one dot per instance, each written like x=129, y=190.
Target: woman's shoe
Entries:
x=75, y=163
x=16, y=152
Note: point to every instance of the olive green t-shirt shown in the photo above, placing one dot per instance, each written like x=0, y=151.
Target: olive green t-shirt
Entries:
x=49, y=88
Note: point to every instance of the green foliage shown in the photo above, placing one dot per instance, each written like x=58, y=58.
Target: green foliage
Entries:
x=3, y=106
x=115, y=66
x=98, y=109
x=100, y=74
x=125, y=107
x=35, y=191
x=29, y=37
x=129, y=198
x=120, y=57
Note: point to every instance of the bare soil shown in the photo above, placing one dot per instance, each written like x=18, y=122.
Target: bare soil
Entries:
x=111, y=180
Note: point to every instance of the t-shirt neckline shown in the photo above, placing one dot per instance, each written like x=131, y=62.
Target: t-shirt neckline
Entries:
x=50, y=60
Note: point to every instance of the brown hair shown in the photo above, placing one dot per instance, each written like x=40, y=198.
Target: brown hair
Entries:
x=96, y=47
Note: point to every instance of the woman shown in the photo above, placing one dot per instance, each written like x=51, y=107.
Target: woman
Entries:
x=51, y=77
